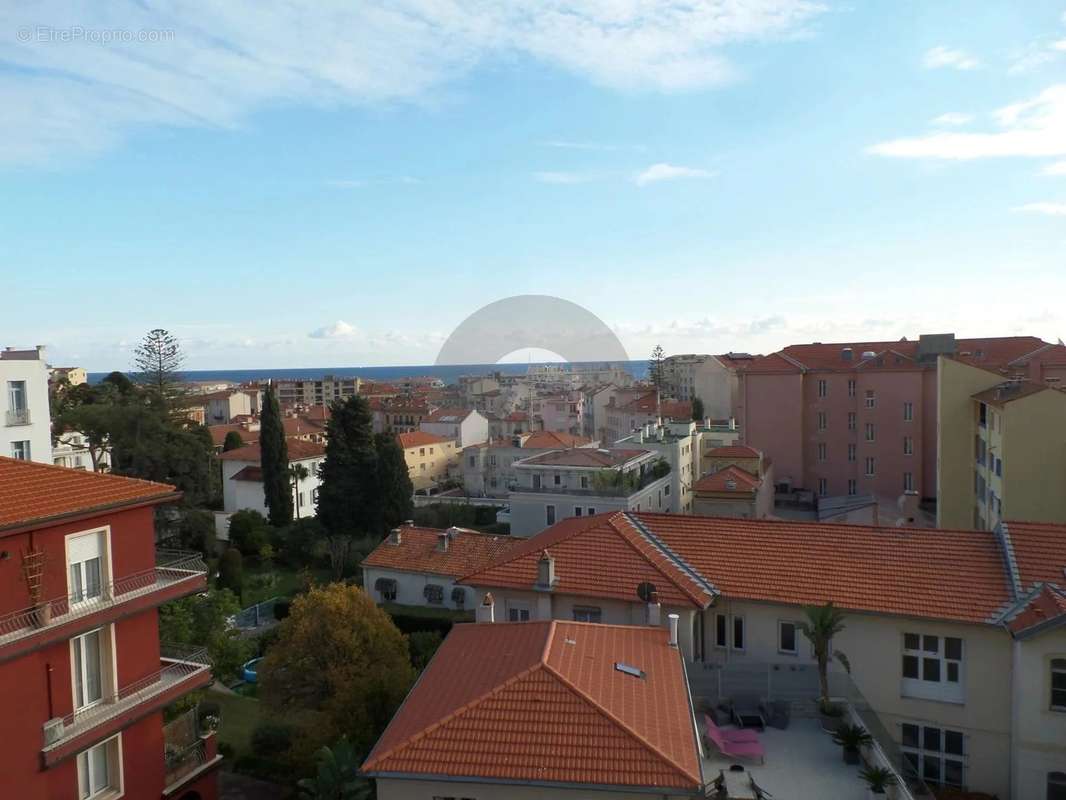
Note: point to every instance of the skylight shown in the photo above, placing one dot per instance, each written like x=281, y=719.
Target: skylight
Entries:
x=628, y=669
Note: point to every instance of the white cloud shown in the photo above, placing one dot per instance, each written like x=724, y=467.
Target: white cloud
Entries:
x=1048, y=209
x=1060, y=45
x=562, y=178
x=668, y=172
x=338, y=330
x=1033, y=128
x=1056, y=168
x=940, y=57
x=217, y=63
x=952, y=118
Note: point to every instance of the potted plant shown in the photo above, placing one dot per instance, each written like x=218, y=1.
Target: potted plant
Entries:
x=877, y=779
x=821, y=625
x=851, y=738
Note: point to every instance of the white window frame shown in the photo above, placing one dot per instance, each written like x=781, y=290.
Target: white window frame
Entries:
x=108, y=668
x=106, y=572
x=942, y=689
x=1057, y=666
x=781, y=623
x=823, y=388
x=870, y=399
x=116, y=778
x=518, y=607
x=921, y=754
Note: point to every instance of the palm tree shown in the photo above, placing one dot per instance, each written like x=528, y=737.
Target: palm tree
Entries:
x=822, y=624
x=297, y=472
x=337, y=777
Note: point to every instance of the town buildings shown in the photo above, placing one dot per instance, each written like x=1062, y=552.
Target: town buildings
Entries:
x=226, y=405
x=861, y=417
x=242, y=478
x=317, y=391
x=712, y=379
x=464, y=426
x=738, y=483
x=963, y=670
x=488, y=468
x=582, y=482
x=430, y=459
x=560, y=413
x=81, y=665
x=72, y=375
x=1002, y=446
x=25, y=422
x=678, y=444
x=399, y=415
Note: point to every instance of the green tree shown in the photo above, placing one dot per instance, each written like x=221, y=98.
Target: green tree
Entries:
x=348, y=504
x=697, y=409
x=297, y=472
x=196, y=531
x=157, y=360
x=232, y=441
x=822, y=624
x=336, y=775
x=655, y=367
x=395, y=490
x=274, y=461
x=231, y=571
x=339, y=667
x=303, y=543
x=202, y=620
x=249, y=531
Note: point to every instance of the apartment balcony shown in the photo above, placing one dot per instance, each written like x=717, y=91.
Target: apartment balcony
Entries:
x=175, y=574
x=181, y=670
x=17, y=416
x=189, y=752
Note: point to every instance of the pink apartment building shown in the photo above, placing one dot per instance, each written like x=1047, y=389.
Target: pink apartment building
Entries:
x=861, y=417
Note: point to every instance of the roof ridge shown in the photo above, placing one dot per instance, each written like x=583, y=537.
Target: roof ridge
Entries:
x=97, y=475
x=618, y=723
x=686, y=590
x=1002, y=533
x=669, y=553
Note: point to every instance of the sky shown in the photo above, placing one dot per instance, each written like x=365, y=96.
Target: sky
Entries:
x=342, y=183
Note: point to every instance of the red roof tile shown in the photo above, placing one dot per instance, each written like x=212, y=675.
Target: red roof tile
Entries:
x=542, y=702
x=419, y=439
x=449, y=415
x=1049, y=604
x=729, y=479
x=586, y=457
x=1039, y=550
x=552, y=440
x=32, y=492
x=622, y=557
x=417, y=551
x=298, y=450
x=733, y=451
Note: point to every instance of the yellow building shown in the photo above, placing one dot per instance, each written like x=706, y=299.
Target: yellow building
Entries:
x=1001, y=449
x=428, y=458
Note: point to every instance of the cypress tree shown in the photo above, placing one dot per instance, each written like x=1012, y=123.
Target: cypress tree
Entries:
x=347, y=495
x=394, y=483
x=274, y=461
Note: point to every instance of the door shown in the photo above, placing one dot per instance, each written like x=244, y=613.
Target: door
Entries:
x=88, y=668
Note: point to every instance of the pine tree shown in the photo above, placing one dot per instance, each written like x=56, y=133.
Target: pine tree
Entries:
x=274, y=461
x=156, y=362
x=655, y=367
x=394, y=483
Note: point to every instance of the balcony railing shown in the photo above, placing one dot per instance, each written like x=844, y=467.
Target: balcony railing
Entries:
x=172, y=566
x=17, y=416
x=178, y=665
x=186, y=747
x=626, y=488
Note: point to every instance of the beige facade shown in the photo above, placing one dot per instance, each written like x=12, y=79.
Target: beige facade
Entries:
x=429, y=459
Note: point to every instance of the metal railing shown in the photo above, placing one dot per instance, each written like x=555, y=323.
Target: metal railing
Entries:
x=171, y=567
x=17, y=416
x=184, y=750
x=181, y=663
x=626, y=489
x=798, y=684
x=254, y=616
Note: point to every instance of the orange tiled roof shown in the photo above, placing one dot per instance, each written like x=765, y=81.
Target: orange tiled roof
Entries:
x=599, y=556
x=32, y=492
x=298, y=450
x=741, y=479
x=543, y=702
x=733, y=451
x=675, y=410
x=1049, y=604
x=419, y=438
x=551, y=440
x=1039, y=552
x=445, y=414
x=417, y=551
x=218, y=434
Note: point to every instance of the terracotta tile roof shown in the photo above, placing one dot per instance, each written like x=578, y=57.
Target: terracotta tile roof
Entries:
x=733, y=451
x=1049, y=604
x=585, y=457
x=298, y=450
x=218, y=434
x=1009, y=391
x=647, y=402
x=418, y=551
x=32, y=492
x=921, y=572
x=1039, y=550
x=542, y=702
x=454, y=415
x=551, y=440
x=419, y=439
x=249, y=473
x=675, y=410
x=622, y=557
x=730, y=479
x=517, y=416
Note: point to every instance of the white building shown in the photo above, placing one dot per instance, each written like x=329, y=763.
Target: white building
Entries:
x=242, y=478
x=72, y=450
x=220, y=408
x=679, y=444
x=25, y=422
x=581, y=482
x=713, y=379
x=464, y=426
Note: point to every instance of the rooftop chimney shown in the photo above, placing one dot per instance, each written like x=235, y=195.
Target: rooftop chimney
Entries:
x=396, y=537
x=655, y=613
x=546, y=571
x=674, y=618
x=486, y=610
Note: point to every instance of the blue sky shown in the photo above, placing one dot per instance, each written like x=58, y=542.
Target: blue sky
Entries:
x=343, y=184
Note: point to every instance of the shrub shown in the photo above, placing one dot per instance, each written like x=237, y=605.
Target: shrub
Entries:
x=414, y=623
x=248, y=532
x=231, y=571
x=281, y=608
x=271, y=739
x=423, y=644
x=303, y=543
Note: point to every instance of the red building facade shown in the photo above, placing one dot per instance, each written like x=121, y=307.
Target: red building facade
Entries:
x=82, y=671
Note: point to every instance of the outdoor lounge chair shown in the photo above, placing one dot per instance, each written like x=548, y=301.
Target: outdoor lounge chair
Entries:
x=741, y=735
x=746, y=710
x=750, y=750
x=777, y=713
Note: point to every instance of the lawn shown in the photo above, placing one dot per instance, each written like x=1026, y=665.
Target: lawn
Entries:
x=285, y=582
x=240, y=716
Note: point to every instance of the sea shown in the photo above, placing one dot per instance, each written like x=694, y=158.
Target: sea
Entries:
x=448, y=373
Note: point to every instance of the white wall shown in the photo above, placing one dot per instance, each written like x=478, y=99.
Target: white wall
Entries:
x=529, y=509
x=242, y=495
x=1040, y=733
x=410, y=586
x=39, y=430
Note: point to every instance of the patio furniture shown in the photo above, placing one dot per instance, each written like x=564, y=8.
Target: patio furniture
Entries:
x=741, y=735
x=746, y=709
x=749, y=750
x=778, y=713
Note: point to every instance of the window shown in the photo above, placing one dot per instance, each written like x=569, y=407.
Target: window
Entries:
x=1058, y=684
x=853, y=487
x=908, y=446
x=823, y=487
x=100, y=769
x=852, y=419
x=870, y=464
x=422, y=452
x=536, y=481
x=386, y=588
x=666, y=490
x=936, y=754
x=584, y=481
x=869, y=431
x=434, y=593
x=851, y=388
x=592, y=511
x=422, y=467
x=87, y=666
x=587, y=614
x=932, y=667
x=720, y=628
x=871, y=399
x=738, y=633
x=85, y=566
x=431, y=453
x=823, y=388
x=314, y=495
x=999, y=467
x=908, y=481
x=908, y=411
x=822, y=451
x=786, y=637
x=21, y=450
x=517, y=611
x=549, y=514
x=557, y=479
x=1056, y=786
x=851, y=452
x=823, y=420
